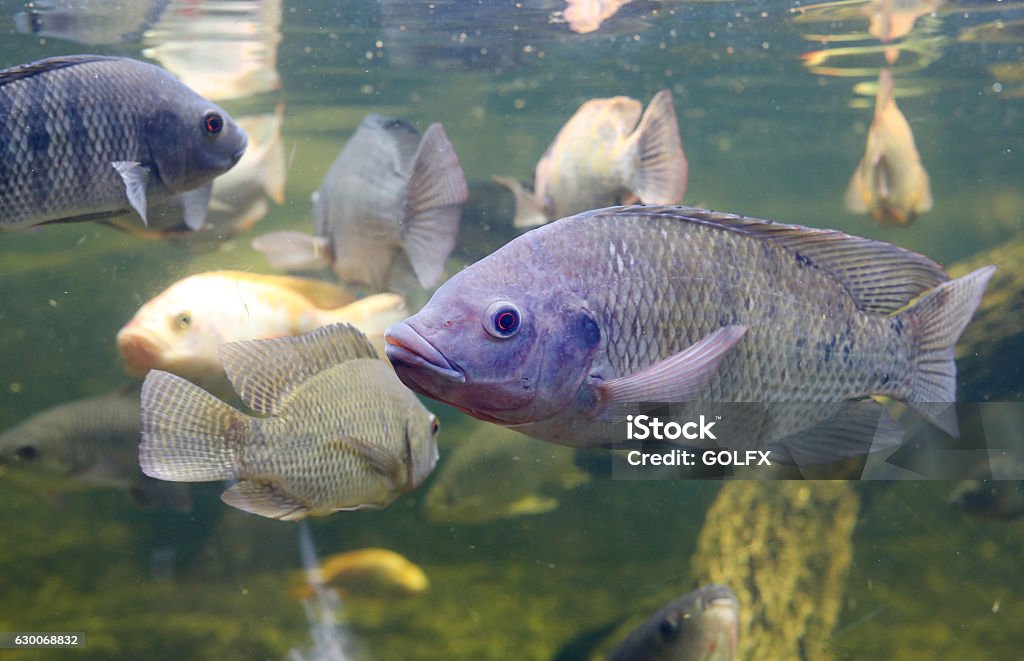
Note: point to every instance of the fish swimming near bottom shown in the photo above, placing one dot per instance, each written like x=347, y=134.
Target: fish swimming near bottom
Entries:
x=87, y=443
x=554, y=333
x=337, y=430
x=371, y=572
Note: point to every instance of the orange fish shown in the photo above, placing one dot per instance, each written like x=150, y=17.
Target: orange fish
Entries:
x=370, y=572
x=890, y=183
x=603, y=157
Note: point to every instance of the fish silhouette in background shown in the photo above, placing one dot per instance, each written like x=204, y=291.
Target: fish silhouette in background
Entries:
x=90, y=21
x=89, y=137
x=603, y=156
x=371, y=572
x=890, y=183
x=387, y=212
x=334, y=427
x=181, y=329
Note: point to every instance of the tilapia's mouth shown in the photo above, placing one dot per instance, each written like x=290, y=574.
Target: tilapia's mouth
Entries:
x=140, y=352
x=407, y=347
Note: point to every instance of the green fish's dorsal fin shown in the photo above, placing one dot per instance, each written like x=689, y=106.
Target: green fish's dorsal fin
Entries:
x=50, y=64
x=265, y=372
x=880, y=277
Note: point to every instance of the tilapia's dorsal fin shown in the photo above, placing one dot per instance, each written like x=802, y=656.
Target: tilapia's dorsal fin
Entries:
x=265, y=372
x=49, y=64
x=324, y=295
x=437, y=190
x=661, y=164
x=880, y=277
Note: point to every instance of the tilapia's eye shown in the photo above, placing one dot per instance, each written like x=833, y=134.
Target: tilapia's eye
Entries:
x=27, y=452
x=435, y=427
x=213, y=123
x=669, y=629
x=182, y=320
x=502, y=319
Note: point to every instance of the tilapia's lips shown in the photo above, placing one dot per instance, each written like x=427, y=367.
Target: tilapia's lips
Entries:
x=407, y=347
x=139, y=353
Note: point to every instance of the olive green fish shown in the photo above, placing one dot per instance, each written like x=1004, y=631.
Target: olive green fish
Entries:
x=87, y=137
x=496, y=473
x=91, y=442
x=560, y=329
x=337, y=430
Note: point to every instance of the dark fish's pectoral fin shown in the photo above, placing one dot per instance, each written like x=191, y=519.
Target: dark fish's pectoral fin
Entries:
x=939, y=318
x=678, y=378
x=136, y=178
x=293, y=250
x=195, y=203
x=264, y=373
x=855, y=429
x=266, y=499
x=661, y=164
x=437, y=190
x=529, y=212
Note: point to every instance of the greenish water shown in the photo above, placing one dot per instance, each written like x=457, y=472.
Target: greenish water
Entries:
x=764, y=137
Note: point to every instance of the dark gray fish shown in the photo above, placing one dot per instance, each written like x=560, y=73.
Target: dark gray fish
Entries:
x=702, y=625
x=336, y=429
x=557, y=331
x=387, y=213
x=90, y=21
x=87, y=137
x=86, y=443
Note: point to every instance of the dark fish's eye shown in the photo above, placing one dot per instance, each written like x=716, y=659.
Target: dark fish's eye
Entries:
x=669, y=629
x=182, y=320
x=213, y=123
x=502, y=319
x=435, y=427
x=27, y=452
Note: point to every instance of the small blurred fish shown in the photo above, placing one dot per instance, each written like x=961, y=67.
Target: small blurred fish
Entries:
x=88, y=137
x=371, y=572
x=997, y=499
x=602, y=157
x=556, y=331
x=497, y=473
x=336, y=429
x=223, y=50
x=90, y=21
x=180, y=329
x=890, y=181
x=702, y=625
x=585, y=16
x=86, y=443
x=892, y=19
x=238, y=198
x=387, y=212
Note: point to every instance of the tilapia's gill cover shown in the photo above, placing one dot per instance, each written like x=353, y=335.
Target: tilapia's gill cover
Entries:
x=673, y=304
x=337, y=430
x=87, y=137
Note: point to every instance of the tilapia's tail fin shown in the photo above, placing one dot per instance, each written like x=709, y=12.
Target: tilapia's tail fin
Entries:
x=188, y=435
x=661, y=166
x=437, y=191
x=529, y=212
x=293, y=250
x=938, y=319
x=372, y=315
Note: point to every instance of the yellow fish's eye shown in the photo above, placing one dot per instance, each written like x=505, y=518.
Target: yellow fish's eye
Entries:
x=435, y=427
x=182, y=320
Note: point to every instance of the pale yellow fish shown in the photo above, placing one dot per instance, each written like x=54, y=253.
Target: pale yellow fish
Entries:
x=603, y=157
x=890, y=183
x=370, y=572
x=585, y=16
x=180, y=330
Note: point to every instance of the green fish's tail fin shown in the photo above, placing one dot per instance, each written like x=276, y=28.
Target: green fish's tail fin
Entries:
x=938, y=319
x=529, y=211
x=188, y=435
x=661, y=164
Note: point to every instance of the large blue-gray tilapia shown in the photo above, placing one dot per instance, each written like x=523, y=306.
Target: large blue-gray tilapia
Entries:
x=671, y=304
x=87, y=137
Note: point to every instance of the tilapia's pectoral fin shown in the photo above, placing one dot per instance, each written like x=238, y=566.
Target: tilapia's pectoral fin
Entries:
x=378, y=458
x=195, y=203
x=529, y=212
x=437, y=191
x=150, y=494
x=531, y=504
x=855, y=429
x=939, y=318
x=661, y=164
x=855, y=200
x=265, y=499
x=293, y=250
x=678, y=378
x=136, y=178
